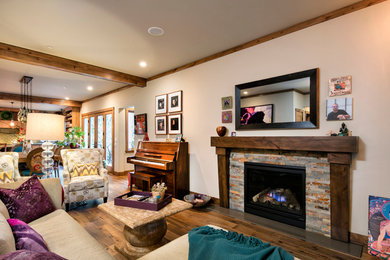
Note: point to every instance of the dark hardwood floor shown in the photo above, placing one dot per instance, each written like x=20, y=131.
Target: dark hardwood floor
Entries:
x=108, y=231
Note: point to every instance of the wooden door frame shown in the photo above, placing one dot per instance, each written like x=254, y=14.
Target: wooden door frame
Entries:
x=95, y=114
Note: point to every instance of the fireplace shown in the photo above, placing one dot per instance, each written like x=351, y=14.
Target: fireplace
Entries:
x=276, y=192
x=327, y=160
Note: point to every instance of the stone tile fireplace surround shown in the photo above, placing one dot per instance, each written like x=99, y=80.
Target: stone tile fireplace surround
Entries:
x=326, y=160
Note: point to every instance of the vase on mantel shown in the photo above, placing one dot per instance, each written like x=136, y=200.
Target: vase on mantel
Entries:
x=146, y=137
x=221, y=131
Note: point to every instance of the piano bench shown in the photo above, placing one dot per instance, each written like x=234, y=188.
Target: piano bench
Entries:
x=147, y=180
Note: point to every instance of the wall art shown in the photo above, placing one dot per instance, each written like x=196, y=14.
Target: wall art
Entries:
x=161, y=125
x=175, y=101
x=340, y=86
x=339, y=109
x=227, y=103
x=174, y=124
x=227, y=116
x=161, y=104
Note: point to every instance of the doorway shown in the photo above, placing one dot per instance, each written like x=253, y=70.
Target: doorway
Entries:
x=98, y=127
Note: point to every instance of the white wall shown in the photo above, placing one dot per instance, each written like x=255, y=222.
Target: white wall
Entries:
x=356, y=44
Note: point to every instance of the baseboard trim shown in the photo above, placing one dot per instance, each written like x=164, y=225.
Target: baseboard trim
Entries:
x=358, y=239
x=119, y=173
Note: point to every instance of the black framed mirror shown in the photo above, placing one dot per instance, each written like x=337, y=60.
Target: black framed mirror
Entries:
x=282, y=102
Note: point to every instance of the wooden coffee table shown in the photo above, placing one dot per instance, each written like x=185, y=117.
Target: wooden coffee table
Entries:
x=144, y=229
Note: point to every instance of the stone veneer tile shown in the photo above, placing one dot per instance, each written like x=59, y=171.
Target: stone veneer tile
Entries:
x=317, y=182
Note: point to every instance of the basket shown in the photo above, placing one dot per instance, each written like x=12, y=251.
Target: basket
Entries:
x=197, y=200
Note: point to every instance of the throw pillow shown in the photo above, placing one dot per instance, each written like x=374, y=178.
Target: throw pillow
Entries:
x=26, y=237
x=6, y=169
x=31, y=255
x=85, y=169
x=28, y=202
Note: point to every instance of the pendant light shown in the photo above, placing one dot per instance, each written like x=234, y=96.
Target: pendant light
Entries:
x=12, y=124
x=25, y=98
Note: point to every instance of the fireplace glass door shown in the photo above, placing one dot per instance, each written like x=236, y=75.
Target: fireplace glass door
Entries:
x=276, y=192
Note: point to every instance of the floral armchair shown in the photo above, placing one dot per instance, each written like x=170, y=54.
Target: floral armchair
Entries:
x=9, y=170
x=83, y=187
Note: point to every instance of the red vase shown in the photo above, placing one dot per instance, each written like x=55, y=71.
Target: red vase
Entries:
x=146, y=137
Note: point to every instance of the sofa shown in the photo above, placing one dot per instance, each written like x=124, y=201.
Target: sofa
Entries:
x=62, y=234
x=176, y=249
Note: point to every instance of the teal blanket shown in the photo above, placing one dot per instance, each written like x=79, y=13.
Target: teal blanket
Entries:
x=209, y=243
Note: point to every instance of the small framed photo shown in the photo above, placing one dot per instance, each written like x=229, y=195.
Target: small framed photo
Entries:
x=227, y=103
x=178, y=138
x=161, y=104
x=340, y=86
x=227, y=116
x=233, y=134
x=140, y=126
x=339, y=109
x=174, y=124
x=175, y=101
x=161, y=125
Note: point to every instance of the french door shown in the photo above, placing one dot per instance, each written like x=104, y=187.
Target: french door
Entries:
x=98, y=127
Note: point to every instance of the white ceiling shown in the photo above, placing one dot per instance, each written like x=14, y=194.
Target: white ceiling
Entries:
x=113, y=34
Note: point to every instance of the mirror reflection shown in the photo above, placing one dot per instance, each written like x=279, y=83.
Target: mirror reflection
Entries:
x=287, y=101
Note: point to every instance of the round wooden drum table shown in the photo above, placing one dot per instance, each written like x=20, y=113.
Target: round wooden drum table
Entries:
x=144, y=229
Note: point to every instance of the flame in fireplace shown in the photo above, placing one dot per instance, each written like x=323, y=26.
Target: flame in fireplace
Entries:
x=276, y=195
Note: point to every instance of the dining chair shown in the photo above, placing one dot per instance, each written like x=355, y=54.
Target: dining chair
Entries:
x=34, y=163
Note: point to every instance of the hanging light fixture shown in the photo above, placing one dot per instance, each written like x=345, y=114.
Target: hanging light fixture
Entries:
x=12, y=124
x=25, y=98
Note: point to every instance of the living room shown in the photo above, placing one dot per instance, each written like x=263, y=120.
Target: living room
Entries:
x=355, y=43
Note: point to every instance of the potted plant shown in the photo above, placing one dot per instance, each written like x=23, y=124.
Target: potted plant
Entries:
x=74, y=138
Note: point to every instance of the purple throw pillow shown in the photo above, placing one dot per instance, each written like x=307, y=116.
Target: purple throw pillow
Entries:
x=28, y=202
x=31, y=255
x=26, y=237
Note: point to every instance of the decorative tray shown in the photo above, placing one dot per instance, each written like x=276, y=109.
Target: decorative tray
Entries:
x=141, y=200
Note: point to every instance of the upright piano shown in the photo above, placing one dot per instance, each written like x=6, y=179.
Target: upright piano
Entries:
x=167, y=160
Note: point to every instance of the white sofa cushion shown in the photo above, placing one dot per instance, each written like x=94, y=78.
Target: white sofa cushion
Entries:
x=65, y=237
x=7, y=241
x=4, y=210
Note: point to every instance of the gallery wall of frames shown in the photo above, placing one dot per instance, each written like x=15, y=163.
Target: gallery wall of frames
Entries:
x=168, y=119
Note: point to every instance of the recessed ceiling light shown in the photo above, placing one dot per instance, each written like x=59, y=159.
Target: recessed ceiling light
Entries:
x=245, y=92
x=155, y=31
x=49, y=47
x=66, y=98
x=143, y=64
x=90, y=88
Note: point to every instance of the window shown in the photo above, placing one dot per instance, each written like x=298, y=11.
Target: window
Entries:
x=129, y=129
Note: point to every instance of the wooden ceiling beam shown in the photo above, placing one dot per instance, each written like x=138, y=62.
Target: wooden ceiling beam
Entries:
x=14, y=53
x=46, y=100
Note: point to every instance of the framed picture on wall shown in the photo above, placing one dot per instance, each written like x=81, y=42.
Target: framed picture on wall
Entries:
x=174, y=124
x=227, y=117
x=161, y=104
x=175, y=101
x=227, y=103
x=339, y=109
x=140, y=124
x=340, y=86
x=161, y=125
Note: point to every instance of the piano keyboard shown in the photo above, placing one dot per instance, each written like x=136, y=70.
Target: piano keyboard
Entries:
x=148, y=162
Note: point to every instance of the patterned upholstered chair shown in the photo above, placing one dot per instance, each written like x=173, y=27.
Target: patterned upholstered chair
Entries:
x=9, y=170
x=81, y=180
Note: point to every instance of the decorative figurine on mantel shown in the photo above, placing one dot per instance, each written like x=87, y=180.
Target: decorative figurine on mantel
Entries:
x=343, y=130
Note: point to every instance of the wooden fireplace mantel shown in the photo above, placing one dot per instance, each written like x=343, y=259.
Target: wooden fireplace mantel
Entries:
x=339, y=150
